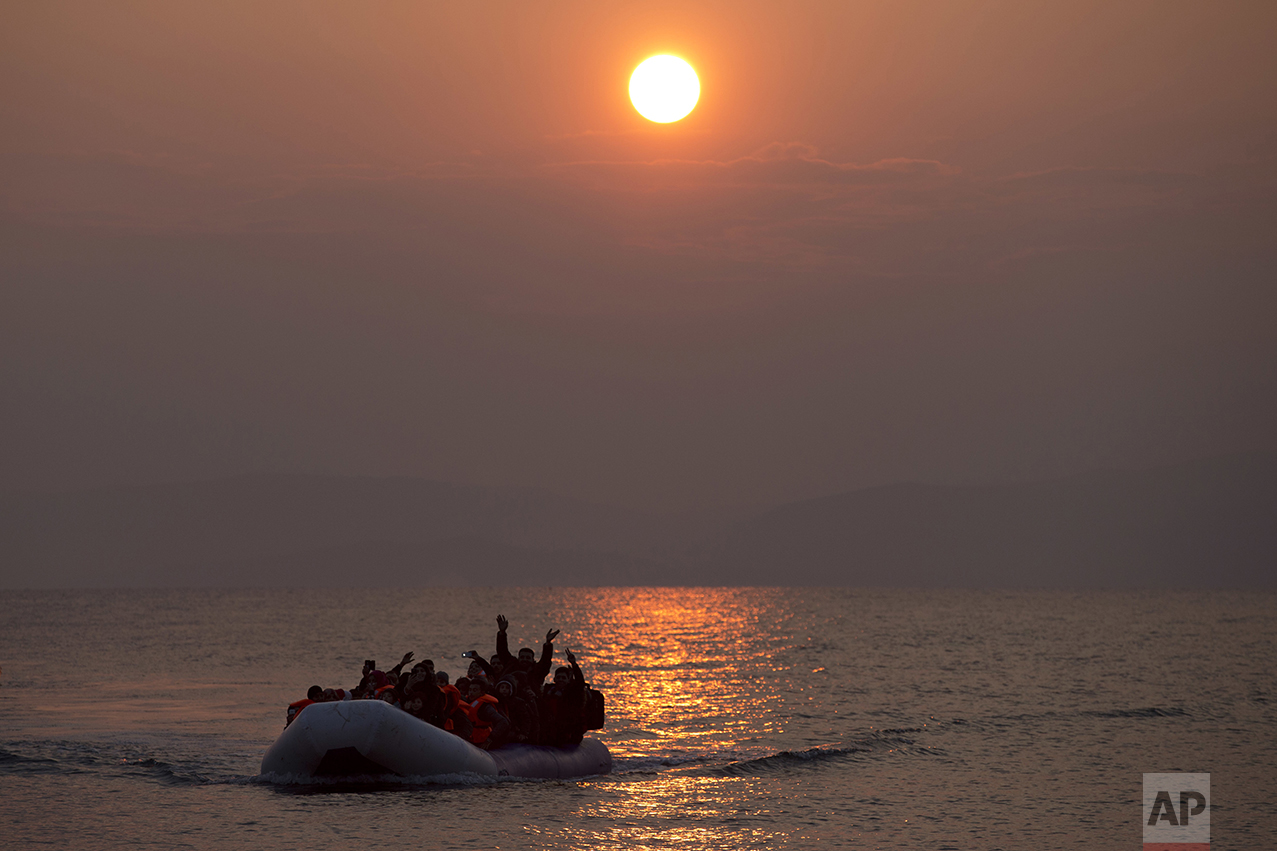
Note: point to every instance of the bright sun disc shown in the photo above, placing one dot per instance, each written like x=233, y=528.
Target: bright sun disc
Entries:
x=664, y=89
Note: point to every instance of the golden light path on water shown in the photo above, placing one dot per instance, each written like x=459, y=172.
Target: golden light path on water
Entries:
x=688, y=672
x=688, y=665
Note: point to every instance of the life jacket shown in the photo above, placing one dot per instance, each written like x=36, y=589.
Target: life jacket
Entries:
x=482, y=729
x=295, y=708
x=451, y=702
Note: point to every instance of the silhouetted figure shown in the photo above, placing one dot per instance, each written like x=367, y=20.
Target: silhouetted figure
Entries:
x=523, y=715
x=563, y=702
x=526, y=662
x=421, y=686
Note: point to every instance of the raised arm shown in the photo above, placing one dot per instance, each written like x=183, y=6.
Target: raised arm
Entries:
x=482, y=663
x=541, y=669
x=503, y=643
x=398, y=669
x=577, y=676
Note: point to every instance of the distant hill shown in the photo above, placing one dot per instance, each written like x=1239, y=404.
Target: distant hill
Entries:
x=321, y=530
x=1210, y=523
x=1205, y=524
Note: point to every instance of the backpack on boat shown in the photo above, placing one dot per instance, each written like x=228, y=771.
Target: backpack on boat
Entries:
x=592, y=713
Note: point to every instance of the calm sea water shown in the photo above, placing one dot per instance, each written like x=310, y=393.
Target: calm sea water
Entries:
x=739, y=718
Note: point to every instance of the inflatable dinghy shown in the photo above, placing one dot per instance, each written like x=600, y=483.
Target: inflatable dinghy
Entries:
x=369, y=737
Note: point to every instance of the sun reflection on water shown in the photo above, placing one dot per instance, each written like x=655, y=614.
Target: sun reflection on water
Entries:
x=685, y=665
x=678, y=810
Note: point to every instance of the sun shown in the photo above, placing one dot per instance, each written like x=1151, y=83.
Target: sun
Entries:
x=664, y=88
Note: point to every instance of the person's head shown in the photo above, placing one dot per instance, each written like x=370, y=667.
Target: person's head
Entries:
x=392, y=678
x=475, y=670
x=562, y=676
x=526, y=654
x=478, y=688
x=387, y=695
x=505, y=689
x=315, y=693
x=331, y=694
x=463, y=685
x=414, y=705
x=441, y=677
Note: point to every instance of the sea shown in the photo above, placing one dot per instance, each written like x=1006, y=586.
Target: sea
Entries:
x=770, y=718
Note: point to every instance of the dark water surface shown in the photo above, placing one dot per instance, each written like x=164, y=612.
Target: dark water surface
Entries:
x=739, y=718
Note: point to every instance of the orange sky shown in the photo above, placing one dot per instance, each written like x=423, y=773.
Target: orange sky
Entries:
x=894, y=240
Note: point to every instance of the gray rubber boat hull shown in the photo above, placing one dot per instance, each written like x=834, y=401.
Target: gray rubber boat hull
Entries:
x=369, y=737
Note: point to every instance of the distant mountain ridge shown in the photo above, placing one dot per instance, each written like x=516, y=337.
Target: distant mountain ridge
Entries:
x=1210, y=523
x=259, y=529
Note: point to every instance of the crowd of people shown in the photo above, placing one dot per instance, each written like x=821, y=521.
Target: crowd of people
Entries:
x=503, y=700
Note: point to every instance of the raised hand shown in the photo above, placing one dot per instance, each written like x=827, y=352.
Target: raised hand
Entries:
x=407, y=657
x=571, y=658
x=549, y=636
x=502, y=623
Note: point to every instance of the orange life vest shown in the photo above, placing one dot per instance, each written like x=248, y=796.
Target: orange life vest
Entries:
x=295, y=708
x=451, y=700
x=482, y=729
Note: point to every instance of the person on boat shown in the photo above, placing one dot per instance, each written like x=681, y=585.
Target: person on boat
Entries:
x=415, y=707
x=479, y=669
x=491, y=726
x=460, y=717
x=532, y=697
x=374, y=679
x=421, y=685
x=426, y=666
x=314, y=694
x=453, y=715
x=522, y=714
x=526, y=662
x=358, y=691
x=563, y=705
x=373, y=682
